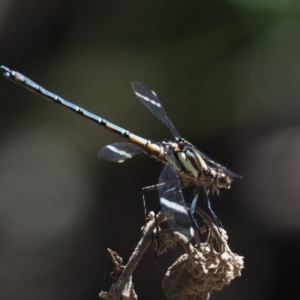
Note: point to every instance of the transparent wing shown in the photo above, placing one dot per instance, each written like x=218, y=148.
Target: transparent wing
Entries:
x=151, y=101
x=211, y=162
x=119, y=152
x=172, y=202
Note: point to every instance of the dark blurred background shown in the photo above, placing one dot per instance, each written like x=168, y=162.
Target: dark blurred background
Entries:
x=228, y=75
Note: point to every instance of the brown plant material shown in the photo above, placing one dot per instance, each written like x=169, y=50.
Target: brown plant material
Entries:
x=194, y=275
x=124, y=281
x=205, y=266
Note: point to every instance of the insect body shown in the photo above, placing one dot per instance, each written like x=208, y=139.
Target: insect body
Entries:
x=184, y=165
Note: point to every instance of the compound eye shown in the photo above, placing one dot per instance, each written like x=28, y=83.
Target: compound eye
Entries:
x=223, y=181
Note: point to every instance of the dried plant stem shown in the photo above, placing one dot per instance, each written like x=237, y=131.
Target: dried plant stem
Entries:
x=116, y=291
x=205, y=266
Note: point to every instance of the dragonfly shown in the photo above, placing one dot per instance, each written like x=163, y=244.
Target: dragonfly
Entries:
x=184, y=165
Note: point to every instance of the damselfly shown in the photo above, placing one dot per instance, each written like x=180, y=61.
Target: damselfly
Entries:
x=184, y=165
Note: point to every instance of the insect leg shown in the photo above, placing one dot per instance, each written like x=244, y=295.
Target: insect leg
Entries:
x=210, y=211
x=156, y=211
x=149, y=189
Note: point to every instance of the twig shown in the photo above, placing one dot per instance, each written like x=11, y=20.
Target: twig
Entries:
x=117, y=289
